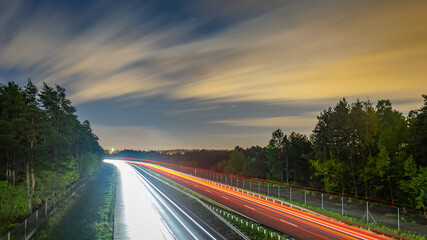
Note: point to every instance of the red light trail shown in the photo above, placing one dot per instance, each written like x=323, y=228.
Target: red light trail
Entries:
x=295, y=222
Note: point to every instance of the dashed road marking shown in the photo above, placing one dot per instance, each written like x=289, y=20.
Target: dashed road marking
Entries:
x=288, y=222
x=249, y=207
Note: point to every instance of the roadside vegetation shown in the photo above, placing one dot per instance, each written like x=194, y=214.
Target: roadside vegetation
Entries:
x=43, y=149
x=89, y=214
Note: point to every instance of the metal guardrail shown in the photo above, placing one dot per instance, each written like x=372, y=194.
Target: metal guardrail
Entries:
x=401, y=218
x=26, y=229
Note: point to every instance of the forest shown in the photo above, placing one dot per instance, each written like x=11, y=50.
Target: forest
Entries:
x=356, y=148
x=43, y=148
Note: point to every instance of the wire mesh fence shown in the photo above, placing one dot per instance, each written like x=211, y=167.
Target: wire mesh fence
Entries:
x=402, y=218
x=27, y=228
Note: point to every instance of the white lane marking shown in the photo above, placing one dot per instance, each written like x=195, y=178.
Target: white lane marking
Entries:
x=208, y=190
x=146, y=182
x=288, y=222
x=249, y=207
x=225, y=197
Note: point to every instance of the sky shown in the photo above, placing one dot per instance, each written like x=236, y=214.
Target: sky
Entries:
x=169, y=74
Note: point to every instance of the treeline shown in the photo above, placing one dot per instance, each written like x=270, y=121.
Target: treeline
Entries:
x=356, y=148
x=43, y=148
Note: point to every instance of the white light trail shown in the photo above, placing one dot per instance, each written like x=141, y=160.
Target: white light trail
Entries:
x=140, y=219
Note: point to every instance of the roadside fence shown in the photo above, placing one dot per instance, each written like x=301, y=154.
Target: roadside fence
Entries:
x=29, y=226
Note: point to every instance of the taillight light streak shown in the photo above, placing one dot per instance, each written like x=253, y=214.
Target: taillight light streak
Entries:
x=307, y=222
x=327, y=225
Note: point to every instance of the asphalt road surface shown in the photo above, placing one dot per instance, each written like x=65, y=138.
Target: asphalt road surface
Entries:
x=294, y=222
x=143, y=211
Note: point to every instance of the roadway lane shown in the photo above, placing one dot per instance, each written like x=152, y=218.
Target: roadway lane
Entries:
x=196, y=220
x=144, y=212
x=291, y=221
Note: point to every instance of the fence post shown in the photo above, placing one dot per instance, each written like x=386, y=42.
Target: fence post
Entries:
x=8, y=236
x=290, y=194
x=37, y=217
x=25, y=229
x=367, y=211
x=259, y=187
x=268, y=189
x=398, y=219
x=45, y=212
x=243, y=180
x=278, y=191
x=342, y=205
x=250, y=185
x=322, y=200
x=305, y=197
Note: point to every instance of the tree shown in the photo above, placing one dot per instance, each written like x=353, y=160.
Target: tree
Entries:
x=278, y=153
x=236, y=162
x=414, y=184
x=36, y=139
x=332, y=171
x=299, y=149
x=418, y=134
x=393, y=137
x=374, y=172
x=333, y=135
x=321, y=135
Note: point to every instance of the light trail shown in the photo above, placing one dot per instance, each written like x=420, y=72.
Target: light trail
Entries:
x=145, y=182
x=135, y=215
x=148, y=212
x=273, y=213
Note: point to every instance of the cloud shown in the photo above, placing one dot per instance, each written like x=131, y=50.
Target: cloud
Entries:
x=191, y=110
x=272, y=53
x=269, y=122
x=328, y=55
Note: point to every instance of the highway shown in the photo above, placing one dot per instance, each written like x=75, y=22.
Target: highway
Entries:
x=294, y=222
x=145, y=211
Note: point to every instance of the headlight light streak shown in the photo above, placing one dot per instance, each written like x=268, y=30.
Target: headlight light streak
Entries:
x=136, y=217
x=149, y=184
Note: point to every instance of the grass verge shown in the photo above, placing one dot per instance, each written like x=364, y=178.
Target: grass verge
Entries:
x=88, y=215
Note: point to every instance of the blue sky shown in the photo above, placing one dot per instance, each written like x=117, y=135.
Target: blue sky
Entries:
x=214, y=74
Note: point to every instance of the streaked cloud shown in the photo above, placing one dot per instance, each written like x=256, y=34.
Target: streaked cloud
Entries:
x=191, y=110
x=218, y=56
x=283, y=53
x=269, y=122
